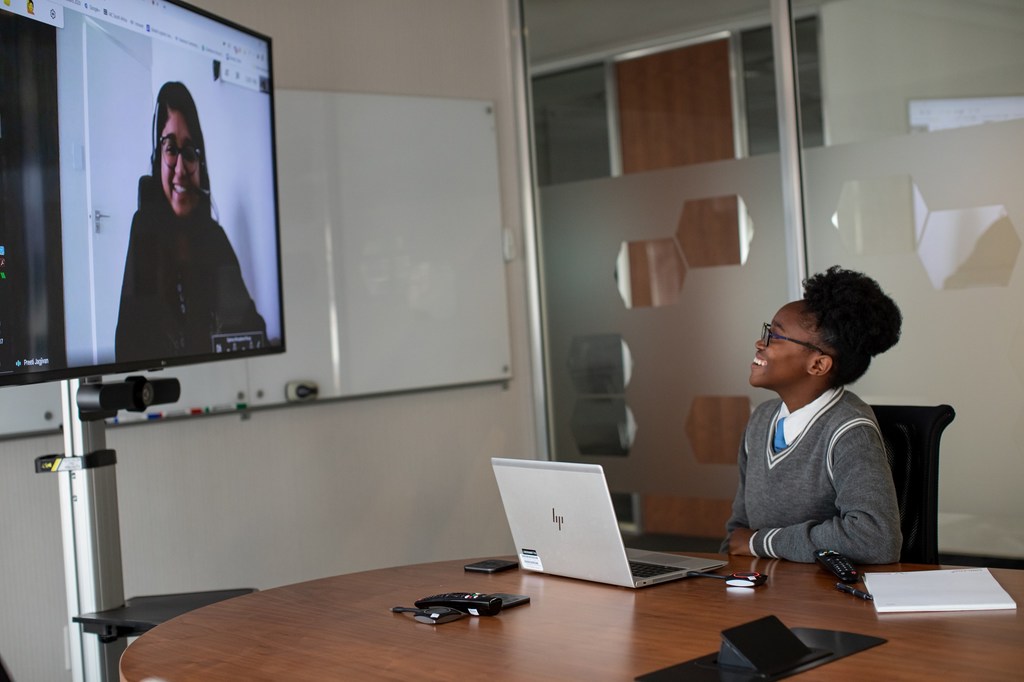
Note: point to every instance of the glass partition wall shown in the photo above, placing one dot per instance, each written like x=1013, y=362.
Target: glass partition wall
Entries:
x=918, y=183
x=664, y=241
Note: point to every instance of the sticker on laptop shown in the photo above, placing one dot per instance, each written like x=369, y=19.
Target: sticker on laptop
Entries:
x=528, y=558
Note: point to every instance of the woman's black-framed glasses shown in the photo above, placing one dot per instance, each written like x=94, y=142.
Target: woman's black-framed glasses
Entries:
x=170, y=150
x=767, y=335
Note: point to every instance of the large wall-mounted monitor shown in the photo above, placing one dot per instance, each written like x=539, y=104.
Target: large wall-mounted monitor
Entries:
x=139, y=218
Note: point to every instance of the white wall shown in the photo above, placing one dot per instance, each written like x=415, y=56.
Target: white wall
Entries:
x=876, y=55
x=296, y=493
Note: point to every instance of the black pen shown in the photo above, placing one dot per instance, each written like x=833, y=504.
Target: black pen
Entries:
x=843, y=587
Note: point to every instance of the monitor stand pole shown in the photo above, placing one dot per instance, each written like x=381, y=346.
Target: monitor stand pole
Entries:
x=90, y=525
x=92, y=540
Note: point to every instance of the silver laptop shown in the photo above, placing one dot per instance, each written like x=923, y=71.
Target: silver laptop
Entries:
x=563, y=522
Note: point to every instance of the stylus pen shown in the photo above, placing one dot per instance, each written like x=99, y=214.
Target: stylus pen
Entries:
x=843, y=587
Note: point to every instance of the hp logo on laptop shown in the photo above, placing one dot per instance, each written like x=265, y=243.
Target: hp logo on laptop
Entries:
x=557, y=519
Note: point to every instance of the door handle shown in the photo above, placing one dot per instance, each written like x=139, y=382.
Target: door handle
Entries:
x=97, y=217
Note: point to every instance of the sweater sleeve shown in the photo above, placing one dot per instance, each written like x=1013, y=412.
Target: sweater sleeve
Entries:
x=738, y=518
x=866, y=526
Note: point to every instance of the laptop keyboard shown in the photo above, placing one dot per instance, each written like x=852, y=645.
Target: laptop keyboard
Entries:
x=642, y=570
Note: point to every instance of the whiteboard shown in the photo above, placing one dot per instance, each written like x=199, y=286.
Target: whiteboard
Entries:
x=391, y=232
x=928, y=115
x=30, y=409
x=391, y=248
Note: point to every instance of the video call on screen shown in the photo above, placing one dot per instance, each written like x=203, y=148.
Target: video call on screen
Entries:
x=77, y=144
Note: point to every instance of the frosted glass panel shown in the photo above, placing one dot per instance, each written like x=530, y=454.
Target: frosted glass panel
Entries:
x=936, y=218
x=692, y=354
x=678, y=261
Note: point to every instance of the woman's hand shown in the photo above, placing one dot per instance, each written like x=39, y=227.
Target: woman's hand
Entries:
x=739, y=541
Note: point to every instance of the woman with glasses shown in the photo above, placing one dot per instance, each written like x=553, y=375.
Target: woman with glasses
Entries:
x=183, y=292
x=812, y=465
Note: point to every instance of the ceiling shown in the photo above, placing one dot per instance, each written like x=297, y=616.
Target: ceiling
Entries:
x=562, y=31
x=567, y=30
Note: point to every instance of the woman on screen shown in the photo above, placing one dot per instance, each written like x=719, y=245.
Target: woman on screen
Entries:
x=183, y=292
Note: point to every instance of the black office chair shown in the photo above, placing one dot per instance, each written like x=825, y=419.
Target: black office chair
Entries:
x=911, y=434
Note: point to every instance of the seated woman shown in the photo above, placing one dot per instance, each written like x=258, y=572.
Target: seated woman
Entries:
x=812, y=464
x=183, y=291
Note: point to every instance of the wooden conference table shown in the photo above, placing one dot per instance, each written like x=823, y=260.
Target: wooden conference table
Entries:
x=341, y=628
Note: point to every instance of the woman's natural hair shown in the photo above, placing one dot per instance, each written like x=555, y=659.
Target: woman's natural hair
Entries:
x=853, y=318
x=174, y=96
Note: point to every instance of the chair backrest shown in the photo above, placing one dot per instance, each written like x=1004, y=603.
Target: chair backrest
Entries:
x=911, y=434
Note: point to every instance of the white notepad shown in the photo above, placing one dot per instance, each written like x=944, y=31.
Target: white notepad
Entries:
x=958, y=589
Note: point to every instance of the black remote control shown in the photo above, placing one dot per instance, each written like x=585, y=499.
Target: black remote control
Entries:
x=838, y=565
x=510, y=600
x=473, y=603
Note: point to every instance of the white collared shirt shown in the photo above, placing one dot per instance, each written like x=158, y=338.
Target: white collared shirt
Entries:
x=797, y=421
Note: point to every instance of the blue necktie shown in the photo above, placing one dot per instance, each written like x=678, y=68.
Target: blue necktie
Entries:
x=780, y=439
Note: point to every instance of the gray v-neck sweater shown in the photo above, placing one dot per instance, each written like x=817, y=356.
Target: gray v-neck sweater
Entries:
x=831, y=488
